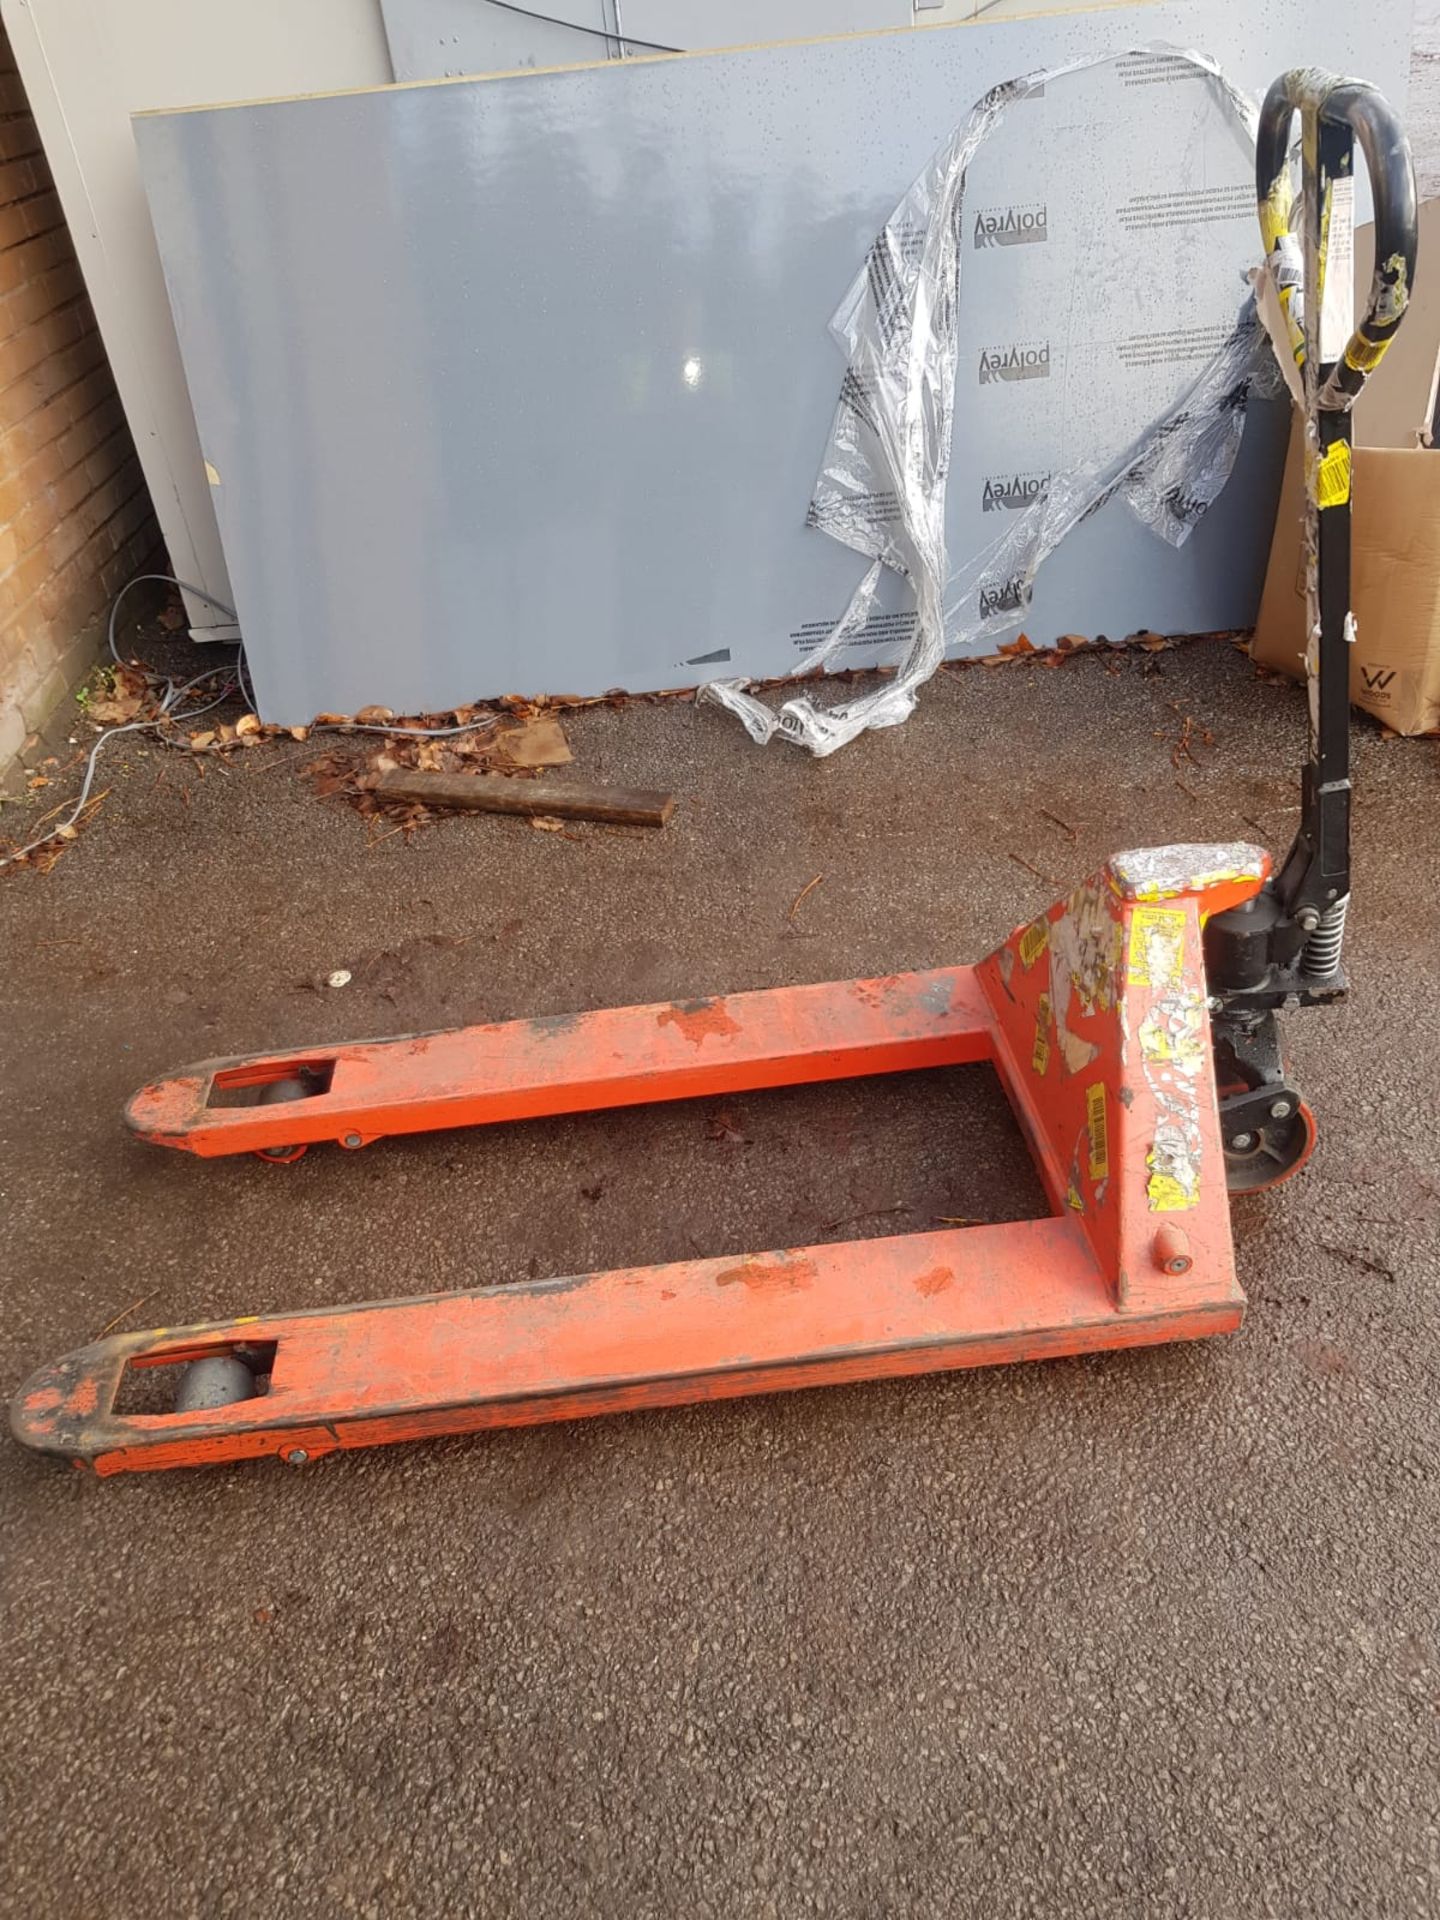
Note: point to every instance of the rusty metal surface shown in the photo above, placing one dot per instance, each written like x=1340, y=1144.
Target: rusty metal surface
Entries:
x=574, y=1063
x=617, y=1342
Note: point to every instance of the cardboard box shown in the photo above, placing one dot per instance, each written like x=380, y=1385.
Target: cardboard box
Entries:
x=1395, y=526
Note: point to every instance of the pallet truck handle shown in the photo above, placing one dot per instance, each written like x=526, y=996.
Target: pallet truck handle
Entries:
x=1282, y=949
x=1313, y=887
x=1352, y=106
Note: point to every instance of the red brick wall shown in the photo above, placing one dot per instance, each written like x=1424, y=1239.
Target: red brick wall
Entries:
x=75, y=516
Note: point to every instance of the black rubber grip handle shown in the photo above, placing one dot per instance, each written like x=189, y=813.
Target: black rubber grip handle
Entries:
x=1356, y=104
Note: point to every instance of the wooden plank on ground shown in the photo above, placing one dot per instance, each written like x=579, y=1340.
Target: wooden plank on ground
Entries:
x=495, y=793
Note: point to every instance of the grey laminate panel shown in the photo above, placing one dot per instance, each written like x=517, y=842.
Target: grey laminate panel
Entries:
x=522, y=384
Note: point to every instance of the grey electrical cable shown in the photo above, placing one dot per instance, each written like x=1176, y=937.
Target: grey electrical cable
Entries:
x=168, y=702
x=170, y=581
x=242, y=668
x=172, y=694
x=242, y=671
x=166, y=712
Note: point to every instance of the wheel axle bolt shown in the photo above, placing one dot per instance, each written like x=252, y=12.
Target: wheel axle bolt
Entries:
x=1242, y=1142
x=1281, y=1110
x=351, y=1140
x=1172, y=1251
x=296, y=1457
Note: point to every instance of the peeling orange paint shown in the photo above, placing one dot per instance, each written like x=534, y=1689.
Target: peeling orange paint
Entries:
x=935, y=1281
x=875, y=992
x=698, y=1020
x=84, y=1395
x=768, y=1276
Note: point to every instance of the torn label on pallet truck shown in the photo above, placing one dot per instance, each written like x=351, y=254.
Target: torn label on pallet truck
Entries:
x=1156, y=873
x=1173, y=1045
x=1158, y=405
x=1085, y=947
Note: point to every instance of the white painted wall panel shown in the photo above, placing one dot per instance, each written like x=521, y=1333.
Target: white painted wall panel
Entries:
x=87, y=66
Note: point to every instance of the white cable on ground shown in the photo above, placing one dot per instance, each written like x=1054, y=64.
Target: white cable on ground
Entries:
x=170, y=581
x=172, y=694
x=168, y=711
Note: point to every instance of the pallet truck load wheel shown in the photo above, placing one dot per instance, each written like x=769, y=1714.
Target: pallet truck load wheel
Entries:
x=1135, y=1027
x=219, y=1380
x=275, y=1095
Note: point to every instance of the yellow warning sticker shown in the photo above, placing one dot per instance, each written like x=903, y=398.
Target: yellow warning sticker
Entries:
x=1169, y=1195
x=1033, y=942
x=1365, y=355
x=1332, y=475
x=1040, y=1056
x=1157, y=946
x=1097, y=1127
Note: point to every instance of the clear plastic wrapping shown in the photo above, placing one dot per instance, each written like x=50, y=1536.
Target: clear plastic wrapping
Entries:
x=882, y=487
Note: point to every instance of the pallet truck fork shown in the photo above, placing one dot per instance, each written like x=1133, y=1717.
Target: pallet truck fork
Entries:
x=1133, y=1026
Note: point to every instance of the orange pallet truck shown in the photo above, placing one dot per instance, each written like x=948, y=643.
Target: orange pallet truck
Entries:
x=1133, y=1026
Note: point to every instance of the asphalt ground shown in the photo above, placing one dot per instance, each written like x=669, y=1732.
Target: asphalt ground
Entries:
x=1142, y=1634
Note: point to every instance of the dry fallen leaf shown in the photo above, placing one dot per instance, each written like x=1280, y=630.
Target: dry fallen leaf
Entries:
x=539, y=742
x=374, y=717
x=114, y=713
x=37, y=780
x=331, y=720
x=1012, y=649
x=123, y=701
x=199, y=741
x=546, y=823
x=299, y=733
x=247, y=723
